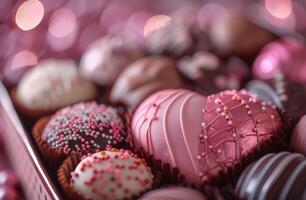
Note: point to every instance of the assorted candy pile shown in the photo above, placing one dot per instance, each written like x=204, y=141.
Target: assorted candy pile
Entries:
x=184, y=111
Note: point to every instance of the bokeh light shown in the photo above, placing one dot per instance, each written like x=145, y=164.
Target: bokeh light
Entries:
x=62, y=23
x=29, y=14
x=23, y=59
x=279, y=8
x=266, y=66
x=155, y=22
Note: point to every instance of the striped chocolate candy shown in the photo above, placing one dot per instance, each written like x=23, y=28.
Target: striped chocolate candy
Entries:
x=275, y=176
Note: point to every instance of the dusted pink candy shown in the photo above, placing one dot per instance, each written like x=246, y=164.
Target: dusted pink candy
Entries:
x=203, y=136
x=173, y=193
x=287, y=56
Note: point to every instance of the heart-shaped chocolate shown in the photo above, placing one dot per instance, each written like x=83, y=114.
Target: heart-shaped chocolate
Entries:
x=203, y=136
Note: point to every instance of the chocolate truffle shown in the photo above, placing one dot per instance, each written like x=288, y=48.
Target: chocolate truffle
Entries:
x=210, y=75
x=53, y=84
x=274, y=176
x=281, y=66
x=287, y=95
x=111, y=174
x=298, y=140
x=173, y=193
x=144, y=77
x=234, y=34
x=107, y=57
x=286, y=56
x=84, y=127
x=203, y=136
x=176, y=39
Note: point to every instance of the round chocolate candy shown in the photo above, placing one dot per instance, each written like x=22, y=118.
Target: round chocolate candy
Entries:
x=84, y=127
x=144, y=77
x=274, y=176
x=286, y=94
x=234, y=34
x=111, y=174
x=298, y=139
x=107, y=57
x=210, y=75
x=176, y=39
x=173, y=193
x=281, y=65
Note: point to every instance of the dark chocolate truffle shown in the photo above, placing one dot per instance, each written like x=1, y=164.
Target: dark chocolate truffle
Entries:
x=203, y=136
x=283, y=92
x=210, y=75
x=298, y=140
x=176, y=39
x=234, y=34
x=274, y=176
x=144, y=77
x=84, y=127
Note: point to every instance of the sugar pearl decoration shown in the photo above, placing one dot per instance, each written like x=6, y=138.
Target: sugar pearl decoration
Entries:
x=111, y=175
x=84, y=127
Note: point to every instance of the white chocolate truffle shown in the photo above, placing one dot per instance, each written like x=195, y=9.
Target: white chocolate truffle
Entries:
x=111, y=175
x=104, y=60
x=53, y=84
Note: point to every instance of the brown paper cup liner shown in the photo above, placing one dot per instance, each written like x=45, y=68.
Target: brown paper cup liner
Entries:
x=64, y=176
x=31, y=115
x=51, y=155
x=168, y=175
x=172, y=175
x=69, y=165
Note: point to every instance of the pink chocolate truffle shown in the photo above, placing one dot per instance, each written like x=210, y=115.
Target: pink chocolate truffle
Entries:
x=173, y=193
x=286, y=56
x=203, y=136
x=298, y=140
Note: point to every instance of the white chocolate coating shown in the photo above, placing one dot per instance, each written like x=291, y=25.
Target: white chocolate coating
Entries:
x=53, y=84
x=111, y=175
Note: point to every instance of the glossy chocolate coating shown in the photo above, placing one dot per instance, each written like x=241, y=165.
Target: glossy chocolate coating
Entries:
x=282, y=66
x=287, y=95
x=144, y=77
x=274, y=176
x=209, y=74
x=203, y=136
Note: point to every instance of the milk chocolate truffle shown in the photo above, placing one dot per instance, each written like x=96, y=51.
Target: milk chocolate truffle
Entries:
x=107, y=57
x=111, y=175
x=83, y=128
x=234, y=34
x=176, y=39
x=53, y=84
x=203, y=136
x=298, y=140
x=144, y=77
x=274, y=176
x=210, y=75
x=173, y=193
